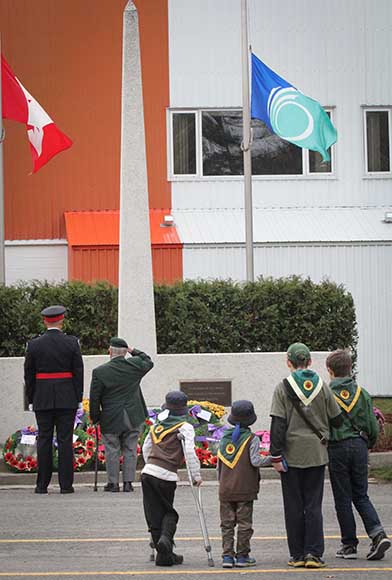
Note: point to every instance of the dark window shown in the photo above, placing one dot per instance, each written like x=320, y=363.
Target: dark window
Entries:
x=271, y=155
x=184, y=143
x=377, y=135
x=316, y=163
x=222, y=136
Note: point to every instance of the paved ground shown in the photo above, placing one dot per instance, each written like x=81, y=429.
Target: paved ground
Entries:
x=103, y=535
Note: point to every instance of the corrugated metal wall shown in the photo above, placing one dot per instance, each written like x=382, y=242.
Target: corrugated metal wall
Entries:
x=337, y=52
x=68, y=55
x=366, y=271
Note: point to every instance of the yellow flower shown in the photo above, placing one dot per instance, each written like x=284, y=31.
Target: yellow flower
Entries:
x=217, y=410
x=86, y=405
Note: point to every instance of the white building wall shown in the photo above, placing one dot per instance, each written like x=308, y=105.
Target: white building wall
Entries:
x=36, y=260
x=366, y=271
x=337, y=52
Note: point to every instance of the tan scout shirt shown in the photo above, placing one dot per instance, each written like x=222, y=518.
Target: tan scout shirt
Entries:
x=303, y=447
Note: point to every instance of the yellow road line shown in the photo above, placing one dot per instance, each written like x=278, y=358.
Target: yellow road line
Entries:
x=145, y=539
x=194, y=572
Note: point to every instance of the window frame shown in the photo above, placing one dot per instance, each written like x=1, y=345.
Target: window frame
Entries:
x=198, y=176
x=374, y=109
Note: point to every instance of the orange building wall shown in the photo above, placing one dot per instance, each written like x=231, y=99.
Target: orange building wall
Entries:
x=68, y=55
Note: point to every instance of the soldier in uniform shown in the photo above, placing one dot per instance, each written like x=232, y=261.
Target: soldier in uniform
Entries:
x=53, y=373
x=117, y=403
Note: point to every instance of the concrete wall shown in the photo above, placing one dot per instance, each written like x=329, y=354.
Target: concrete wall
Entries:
x=253, y=376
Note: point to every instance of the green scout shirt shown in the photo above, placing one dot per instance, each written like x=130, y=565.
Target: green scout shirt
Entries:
x=115, y=387
x=303, y=447
x=358, y=403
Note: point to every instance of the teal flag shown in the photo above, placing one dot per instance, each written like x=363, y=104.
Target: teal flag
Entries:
x=288, y=112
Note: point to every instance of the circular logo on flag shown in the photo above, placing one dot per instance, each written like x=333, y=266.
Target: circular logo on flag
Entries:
x=230, y=448
x=345, y=394
x=159, y=429
x=308, y=385
x=289, y=114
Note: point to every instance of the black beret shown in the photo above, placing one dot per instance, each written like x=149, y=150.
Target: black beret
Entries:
x=53, y=311
x=118, y=342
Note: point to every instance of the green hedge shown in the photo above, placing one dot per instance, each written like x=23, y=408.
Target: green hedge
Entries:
x=193, y=317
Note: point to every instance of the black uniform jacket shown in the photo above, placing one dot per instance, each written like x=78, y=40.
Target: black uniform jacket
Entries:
x=53, y=352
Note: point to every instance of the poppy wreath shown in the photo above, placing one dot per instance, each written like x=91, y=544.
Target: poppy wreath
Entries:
x=17, y=457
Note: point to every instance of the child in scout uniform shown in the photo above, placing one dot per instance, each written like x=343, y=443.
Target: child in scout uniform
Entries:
x=348, y=460
x=163, y=455
x=238, y=462
x=303, y=408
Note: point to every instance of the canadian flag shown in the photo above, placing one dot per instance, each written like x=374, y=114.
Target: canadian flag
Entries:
x=46, y=140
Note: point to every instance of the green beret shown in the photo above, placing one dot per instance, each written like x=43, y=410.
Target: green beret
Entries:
x=118, y=342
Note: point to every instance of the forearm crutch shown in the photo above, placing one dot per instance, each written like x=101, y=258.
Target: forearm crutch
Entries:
x=96, y=459
x=199, y=507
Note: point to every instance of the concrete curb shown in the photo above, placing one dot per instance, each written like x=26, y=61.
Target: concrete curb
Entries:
x=7, y=478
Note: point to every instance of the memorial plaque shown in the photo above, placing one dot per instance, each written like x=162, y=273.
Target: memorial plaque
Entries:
x=218, y=392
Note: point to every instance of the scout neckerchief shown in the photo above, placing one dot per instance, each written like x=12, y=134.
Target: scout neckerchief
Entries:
x=347, y=399
x=229, y=451
x=306, y=384
x=162, y=428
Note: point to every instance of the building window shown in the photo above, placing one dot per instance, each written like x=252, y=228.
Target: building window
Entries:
x=207, y=143
x=184, y=143
x=378, y=135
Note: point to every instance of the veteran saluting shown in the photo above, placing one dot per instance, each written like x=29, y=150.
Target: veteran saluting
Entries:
x=53, y=373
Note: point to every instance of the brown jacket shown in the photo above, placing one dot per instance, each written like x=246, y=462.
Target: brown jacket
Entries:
x=240, y=483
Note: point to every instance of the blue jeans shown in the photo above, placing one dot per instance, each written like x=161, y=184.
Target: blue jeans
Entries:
x=348, y=470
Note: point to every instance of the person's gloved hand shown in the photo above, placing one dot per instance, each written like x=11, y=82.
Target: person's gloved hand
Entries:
x=30, y=407
x=80, y=405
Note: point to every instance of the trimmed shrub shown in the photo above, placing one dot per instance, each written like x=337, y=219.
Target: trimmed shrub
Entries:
x=191, y=316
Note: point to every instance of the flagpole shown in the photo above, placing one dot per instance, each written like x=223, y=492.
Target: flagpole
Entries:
x=246, y=144
x=2, y=259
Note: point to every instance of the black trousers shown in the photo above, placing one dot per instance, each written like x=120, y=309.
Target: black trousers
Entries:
x=302, y=498
x=63, y=420
x=158, y=498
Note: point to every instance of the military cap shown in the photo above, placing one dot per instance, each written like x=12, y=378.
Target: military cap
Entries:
x=176, y=402
x=242, y=413
x=298, y=353
x=53, y=313
x=118, y=342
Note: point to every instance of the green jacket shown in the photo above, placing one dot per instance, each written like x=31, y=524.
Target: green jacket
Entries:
x=115, y=387
x=354, y=399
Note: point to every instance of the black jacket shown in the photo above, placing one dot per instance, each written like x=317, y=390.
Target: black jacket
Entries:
x=53, y=352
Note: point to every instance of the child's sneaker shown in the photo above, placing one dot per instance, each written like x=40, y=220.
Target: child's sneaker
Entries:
x=312, y=561
x=297, y=562
x=245, y=561
x=380, y=544
x=227, y=562
x=347, y=552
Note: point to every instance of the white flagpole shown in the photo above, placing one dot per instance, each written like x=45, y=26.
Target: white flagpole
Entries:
x=246, y=144
x=2, y=259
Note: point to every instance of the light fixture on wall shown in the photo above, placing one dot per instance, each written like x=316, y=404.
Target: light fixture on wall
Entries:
x=168, y=220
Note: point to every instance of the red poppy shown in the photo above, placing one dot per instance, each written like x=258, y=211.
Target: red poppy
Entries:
x=28, y=465
x=14, y=462
x=8, y=445
x=81, y=460
x=28, y=458
x=205, y=445
x=90, y=431
x=8, y=456
x=22, y=465
x=214, y=460
x=89, y=453
x=90, y=444
x=33, y=463
x=101, y=457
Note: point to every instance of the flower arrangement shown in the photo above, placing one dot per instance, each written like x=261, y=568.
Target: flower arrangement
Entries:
x=20, y=450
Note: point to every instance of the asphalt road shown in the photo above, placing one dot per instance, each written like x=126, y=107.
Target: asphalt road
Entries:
x=104, y=535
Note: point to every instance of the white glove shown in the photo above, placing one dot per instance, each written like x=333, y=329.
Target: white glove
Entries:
x=30, y=406
x=80, y=405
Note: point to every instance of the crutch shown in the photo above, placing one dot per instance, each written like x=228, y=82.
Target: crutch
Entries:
x=96, y=459
x=199, y=507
